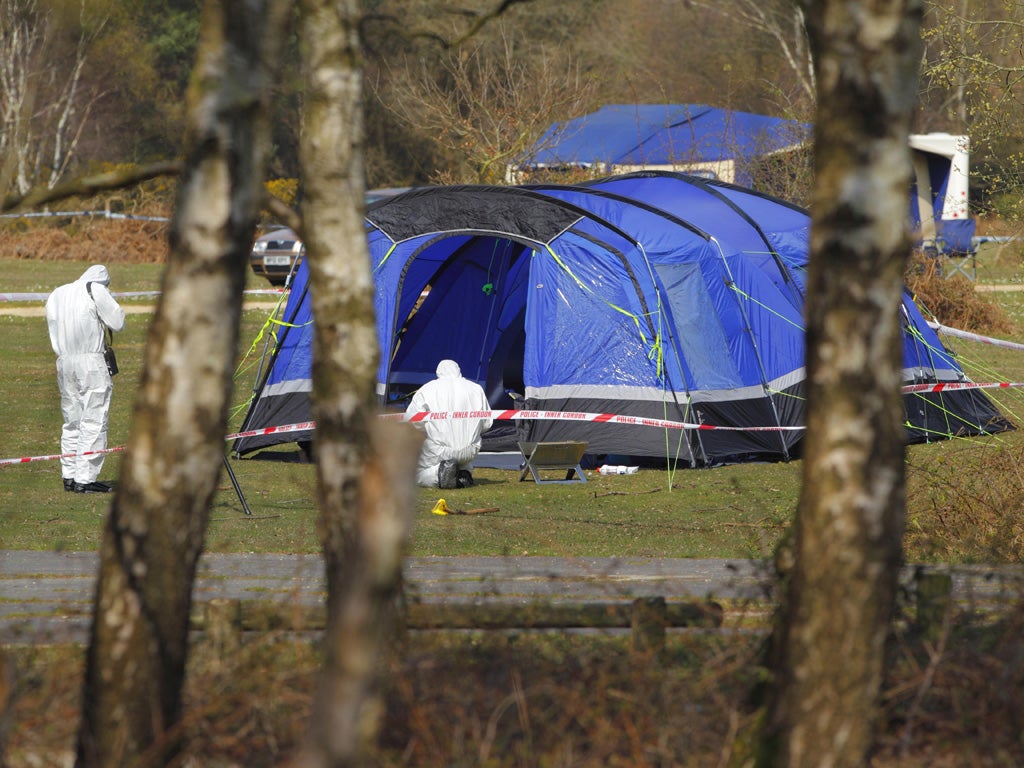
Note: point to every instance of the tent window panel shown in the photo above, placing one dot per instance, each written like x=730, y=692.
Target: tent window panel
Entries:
x=792, y=247
x=703, y=341
x=770, y=342
x=738, y=294
x=578, y=334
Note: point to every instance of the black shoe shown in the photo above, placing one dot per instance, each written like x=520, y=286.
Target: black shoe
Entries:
x=69, y=484
x=96, y=487
x=447, y=472
x=463, y=479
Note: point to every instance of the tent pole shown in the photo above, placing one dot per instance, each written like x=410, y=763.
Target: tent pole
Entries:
x=237, y=487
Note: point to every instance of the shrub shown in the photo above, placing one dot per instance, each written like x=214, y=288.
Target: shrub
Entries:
x=285, y=190
x=99, y=241
x=965, y=502
x=953, y=300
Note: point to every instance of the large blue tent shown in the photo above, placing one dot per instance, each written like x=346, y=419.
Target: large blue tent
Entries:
x=653, y=295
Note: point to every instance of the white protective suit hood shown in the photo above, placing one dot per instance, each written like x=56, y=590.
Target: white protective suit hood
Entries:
x=97, y=273
x=447, y=369
x=76, y=318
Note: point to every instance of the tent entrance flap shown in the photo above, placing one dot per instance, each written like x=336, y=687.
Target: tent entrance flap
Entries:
x=467, y=307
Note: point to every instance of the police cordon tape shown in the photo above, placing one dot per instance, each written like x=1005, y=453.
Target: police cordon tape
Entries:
x=957, y=333
x=18, y=297
x=415, y=418
x=52, y=456
x=952, y=386
x=300, y=427
x=597, y=418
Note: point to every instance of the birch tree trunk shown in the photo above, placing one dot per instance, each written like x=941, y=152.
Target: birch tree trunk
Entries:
x=154, y=532
x=848, y=533
x=364, y=471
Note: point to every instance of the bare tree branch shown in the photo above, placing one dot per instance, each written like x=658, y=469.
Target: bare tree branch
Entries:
x=478, y=21
x=283, y=212
x=91, y=185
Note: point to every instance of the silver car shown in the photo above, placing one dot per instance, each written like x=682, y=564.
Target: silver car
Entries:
x=276, y=254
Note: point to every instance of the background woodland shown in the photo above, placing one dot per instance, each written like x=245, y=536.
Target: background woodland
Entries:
x=89, y=86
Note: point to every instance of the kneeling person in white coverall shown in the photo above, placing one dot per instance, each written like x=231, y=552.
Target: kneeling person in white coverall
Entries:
x=446, y=460
x=77, y=316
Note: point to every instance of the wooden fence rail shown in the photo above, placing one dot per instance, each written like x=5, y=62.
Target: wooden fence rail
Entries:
x=647, y=618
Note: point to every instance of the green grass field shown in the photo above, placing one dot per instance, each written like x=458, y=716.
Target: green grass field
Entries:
x=731, y=511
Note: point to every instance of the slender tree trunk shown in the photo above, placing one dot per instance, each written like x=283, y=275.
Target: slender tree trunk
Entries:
x=365, y=471
x=848, y=534
x=154, y=533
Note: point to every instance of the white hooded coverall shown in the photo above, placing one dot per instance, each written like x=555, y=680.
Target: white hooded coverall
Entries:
x=450, y=439
x=77, y=324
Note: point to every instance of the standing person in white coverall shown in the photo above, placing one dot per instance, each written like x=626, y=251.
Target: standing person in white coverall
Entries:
x=446, y=460
x=77, y=315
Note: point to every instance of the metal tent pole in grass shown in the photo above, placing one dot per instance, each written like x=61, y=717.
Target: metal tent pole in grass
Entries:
x=236, y=486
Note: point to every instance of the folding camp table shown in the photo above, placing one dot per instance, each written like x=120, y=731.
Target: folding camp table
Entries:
x=540, y=457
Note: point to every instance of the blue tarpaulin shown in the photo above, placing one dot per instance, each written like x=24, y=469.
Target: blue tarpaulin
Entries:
x=691, y=137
